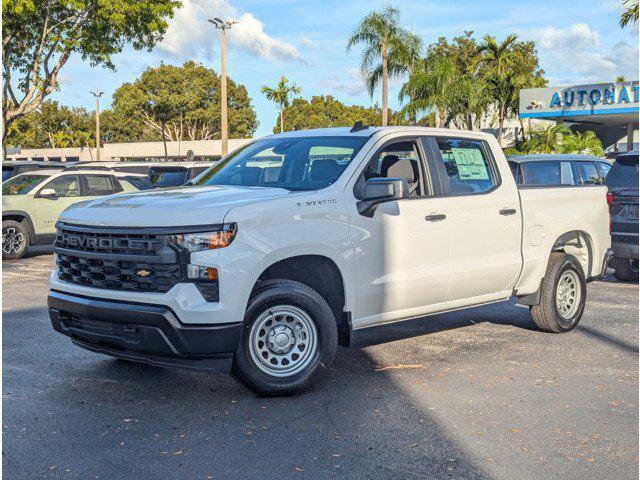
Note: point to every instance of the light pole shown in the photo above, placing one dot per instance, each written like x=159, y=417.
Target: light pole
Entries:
x=223, y=26
x=97, y=95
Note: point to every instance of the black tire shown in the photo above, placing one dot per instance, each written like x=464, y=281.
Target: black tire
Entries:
x=546, y=314
x=626, y=269
x=273, y=293
x=18, y=234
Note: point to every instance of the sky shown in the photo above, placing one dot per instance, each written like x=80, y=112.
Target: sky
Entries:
x=578, y=42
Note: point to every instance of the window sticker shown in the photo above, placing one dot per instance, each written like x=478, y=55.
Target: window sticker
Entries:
x=470, y=163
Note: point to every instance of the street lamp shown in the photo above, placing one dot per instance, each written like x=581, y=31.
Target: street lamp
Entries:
x=223, y=26
x=97, y=95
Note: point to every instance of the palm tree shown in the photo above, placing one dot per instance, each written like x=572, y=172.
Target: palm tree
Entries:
x=281, y=95
x=630, y=13
x=430, y=85
x=384, y=39
x=498, y=60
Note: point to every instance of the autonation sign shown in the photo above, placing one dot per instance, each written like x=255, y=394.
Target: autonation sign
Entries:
x=608, y=95
x=593, y=99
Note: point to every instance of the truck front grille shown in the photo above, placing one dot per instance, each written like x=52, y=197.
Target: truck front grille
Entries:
x=118, y=274
x=130, y=259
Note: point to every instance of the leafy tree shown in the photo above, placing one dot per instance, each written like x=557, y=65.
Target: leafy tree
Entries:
x=629, y=13
x=462, y=80
x=52, y=125
x=280, y=95
x=39, y=37
x=177, y=103
x=325, y=111
x=384, y=39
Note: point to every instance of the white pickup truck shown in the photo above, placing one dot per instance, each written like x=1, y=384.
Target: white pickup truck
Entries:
x=296, y=240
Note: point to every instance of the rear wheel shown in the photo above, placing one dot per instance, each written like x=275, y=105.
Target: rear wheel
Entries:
x=288, y=341
x=625, y=269
x=15, y=239
x=562, y=296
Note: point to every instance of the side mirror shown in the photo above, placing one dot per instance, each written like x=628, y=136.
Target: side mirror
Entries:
x=380, y=190
x=47, y=193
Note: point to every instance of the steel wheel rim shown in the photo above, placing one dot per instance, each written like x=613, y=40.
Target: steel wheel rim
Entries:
x=568, y=294
x=12, y=240
x=283, y=341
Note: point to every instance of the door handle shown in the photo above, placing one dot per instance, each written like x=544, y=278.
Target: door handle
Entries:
x=437, y=217
x=508, y=211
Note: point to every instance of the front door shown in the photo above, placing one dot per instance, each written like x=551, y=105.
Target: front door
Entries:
x=402, y=254
x=48, y=209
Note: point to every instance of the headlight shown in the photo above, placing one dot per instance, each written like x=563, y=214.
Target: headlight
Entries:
x=196, y=242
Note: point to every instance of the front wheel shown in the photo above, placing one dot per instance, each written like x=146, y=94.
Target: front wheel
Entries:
x=15, y=239
x=563, y=295
x=288, y=340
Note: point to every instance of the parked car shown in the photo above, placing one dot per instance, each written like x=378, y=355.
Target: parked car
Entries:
x=622, y=182
x=300, y=238
x=558, y=169
x=11, y=169
x=175, y=174
x=32, y=202
x=159, y=174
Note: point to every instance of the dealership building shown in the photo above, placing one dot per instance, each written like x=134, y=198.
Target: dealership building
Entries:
x=608, y=109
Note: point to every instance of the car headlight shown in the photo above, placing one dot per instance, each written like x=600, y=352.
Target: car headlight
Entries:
x=221, y=237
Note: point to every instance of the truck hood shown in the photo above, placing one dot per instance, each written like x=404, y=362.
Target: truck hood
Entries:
x=167, y=207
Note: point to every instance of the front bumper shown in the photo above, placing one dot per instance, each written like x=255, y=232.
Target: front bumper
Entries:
x=144, y=333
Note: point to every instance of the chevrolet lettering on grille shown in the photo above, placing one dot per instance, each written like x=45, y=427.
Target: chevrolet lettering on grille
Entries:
x=82, y=241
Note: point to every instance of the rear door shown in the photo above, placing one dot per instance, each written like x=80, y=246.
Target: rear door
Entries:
x=484, y=218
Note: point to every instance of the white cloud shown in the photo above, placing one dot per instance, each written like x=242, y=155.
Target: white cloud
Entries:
x=307, y=42
x=349, y=82
x=190, y=35
x=576, y=53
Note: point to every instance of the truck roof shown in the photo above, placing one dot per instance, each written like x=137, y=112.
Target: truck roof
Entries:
x=369, y=131
x=546, y=157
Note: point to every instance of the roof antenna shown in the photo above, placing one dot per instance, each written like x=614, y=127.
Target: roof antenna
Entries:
x=358, y=126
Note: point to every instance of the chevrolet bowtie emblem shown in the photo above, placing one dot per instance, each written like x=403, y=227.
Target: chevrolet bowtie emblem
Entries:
x=143, y=273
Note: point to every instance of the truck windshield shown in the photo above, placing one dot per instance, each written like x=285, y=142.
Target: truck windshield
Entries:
x=298, y=163
x=21, y=184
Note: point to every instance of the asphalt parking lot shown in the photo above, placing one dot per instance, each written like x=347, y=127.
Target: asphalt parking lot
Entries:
x=476, y=394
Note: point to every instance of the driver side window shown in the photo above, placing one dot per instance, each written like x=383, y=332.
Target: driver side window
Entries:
x=65, y=186
x=395, y=160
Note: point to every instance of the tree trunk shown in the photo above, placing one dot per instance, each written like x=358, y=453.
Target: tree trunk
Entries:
x=164, y=139
x=441, y=118
x=500, y=124
x=281, y=118
x=385, y=85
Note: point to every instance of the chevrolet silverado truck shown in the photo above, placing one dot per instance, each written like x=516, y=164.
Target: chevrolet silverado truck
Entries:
x=295, y=241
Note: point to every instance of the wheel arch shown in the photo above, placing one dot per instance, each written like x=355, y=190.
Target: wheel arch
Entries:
x=322, y=274
x=20, y=216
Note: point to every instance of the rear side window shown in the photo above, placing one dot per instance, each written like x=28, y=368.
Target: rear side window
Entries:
x=589, y=174
x=464, y=166
x=623, y=173
x=99, y=185
x=541, y=173
x=603, y=168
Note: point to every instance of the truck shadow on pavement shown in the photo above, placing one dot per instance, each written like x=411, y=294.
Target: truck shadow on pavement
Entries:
x=98, y=416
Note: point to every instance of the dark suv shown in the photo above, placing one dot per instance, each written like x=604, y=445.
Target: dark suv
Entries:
x=622, y=181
